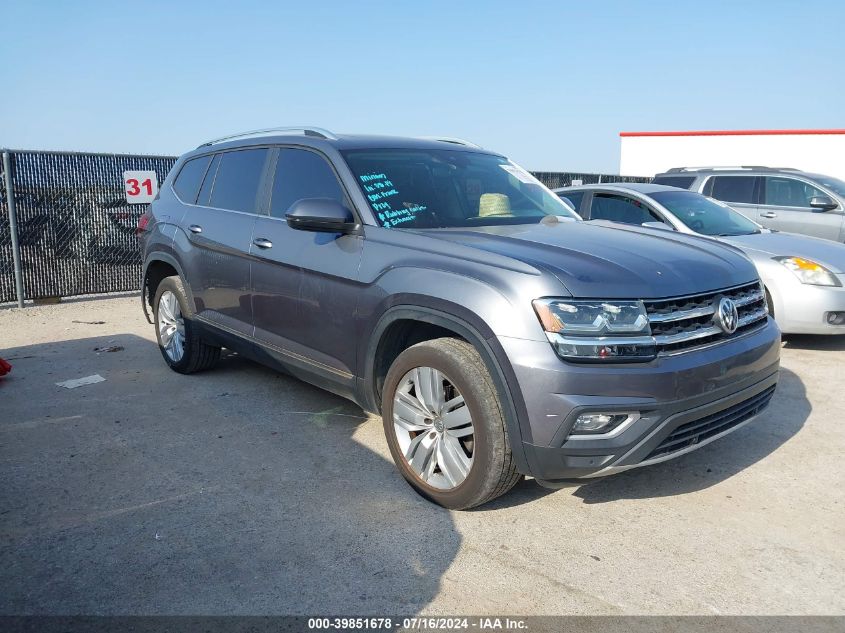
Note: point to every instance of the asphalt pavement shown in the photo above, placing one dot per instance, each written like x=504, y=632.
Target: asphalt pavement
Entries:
x=244, y=491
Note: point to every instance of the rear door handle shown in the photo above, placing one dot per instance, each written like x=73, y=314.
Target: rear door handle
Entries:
x=769, y=214
x=195, y=228
x=262, y=242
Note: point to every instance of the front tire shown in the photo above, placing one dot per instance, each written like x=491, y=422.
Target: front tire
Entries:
x=445, y=425
x=180, y=345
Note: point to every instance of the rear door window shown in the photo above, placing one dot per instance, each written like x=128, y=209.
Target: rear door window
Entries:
x=622, y=209
x=789, y=192
x=684, y=182
x=733, y=189
x=238, y=179
x=187, y=183
x=302, y=174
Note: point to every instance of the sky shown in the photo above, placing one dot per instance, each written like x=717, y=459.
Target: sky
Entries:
x=550, y=84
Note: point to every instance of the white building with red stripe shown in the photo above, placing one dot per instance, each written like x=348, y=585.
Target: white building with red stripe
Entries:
x=649, y=153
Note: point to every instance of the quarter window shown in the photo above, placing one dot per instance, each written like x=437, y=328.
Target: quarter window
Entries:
x=621, y=209
x=187, y=183
x=208, y=183
x=733, y=188
x=238, y=178
x=302, y=174
x=789, y=192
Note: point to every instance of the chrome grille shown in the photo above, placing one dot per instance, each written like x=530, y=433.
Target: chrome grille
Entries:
x=682, y=323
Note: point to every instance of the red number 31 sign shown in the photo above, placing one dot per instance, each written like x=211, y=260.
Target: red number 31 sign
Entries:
x=140, y=186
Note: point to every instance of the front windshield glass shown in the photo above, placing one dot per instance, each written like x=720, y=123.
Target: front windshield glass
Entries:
x=435, y=188
x=834, y=184
x=705, y=215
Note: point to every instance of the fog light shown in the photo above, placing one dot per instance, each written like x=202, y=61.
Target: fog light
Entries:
x=602, y=423
x=836, y=318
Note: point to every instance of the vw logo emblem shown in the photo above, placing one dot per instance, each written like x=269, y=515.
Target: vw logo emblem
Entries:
x=727, y=316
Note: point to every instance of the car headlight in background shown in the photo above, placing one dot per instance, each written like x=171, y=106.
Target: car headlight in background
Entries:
x=597, y=330
x=809, y=272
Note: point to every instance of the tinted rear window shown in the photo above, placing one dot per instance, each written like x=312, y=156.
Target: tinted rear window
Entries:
x=187, y=183
x=238, y=177
x=733, y=188
x=684, y=182
x=302, y=174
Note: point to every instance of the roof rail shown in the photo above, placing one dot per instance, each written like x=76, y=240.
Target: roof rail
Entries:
x=755, y=167
x=675, y=170
x=452, y=139
x=306, y=130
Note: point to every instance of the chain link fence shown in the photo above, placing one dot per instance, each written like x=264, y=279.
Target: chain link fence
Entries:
x=555, y=179
x=76, y=232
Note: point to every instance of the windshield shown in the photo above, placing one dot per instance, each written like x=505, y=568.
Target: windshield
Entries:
x=434, y=188
x=834, y=184
x=705, y=215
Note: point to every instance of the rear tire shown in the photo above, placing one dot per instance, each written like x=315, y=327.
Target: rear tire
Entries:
x=456, y=455
x=179, y=342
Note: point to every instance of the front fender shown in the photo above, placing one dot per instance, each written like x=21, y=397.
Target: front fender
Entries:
x=498, y=307
x=468, y=326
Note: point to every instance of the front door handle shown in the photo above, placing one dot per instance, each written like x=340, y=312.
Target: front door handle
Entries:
x=195, y=228
x=262, y=242
x=769, y=214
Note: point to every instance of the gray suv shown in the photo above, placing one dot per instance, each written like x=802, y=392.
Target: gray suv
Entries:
x=444, y=288
x=781, y=199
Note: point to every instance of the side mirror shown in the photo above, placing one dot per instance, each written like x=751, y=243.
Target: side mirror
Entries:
x=323, y=215
x=658, y=225
x=822, y=203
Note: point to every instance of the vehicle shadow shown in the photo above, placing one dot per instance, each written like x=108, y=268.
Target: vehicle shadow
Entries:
x=698, y=470
x=236, y=491
x=811, y=342
x=713, y=463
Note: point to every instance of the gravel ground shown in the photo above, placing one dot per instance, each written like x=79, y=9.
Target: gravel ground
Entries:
x=243, y=491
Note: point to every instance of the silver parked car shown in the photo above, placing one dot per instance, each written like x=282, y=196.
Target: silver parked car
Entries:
x=780, y=199
x=804, y=276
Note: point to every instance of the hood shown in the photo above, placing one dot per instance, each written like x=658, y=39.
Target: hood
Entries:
x=829, y=254
x=614, y=261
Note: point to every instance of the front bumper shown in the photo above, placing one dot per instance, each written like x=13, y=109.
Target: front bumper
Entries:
x=684, y=401
x=803, y=309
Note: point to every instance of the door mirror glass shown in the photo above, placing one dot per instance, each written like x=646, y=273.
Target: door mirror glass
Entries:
x=823, y=203
x=323, y=215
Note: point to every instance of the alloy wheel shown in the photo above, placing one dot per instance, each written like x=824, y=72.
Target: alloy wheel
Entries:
x=171, y=326
x=434, y=428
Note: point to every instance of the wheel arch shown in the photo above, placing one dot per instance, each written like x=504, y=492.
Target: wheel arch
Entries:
x=404, y=325
x=157, y=266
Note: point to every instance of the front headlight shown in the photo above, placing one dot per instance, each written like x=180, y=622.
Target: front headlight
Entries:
x=809, y=272
x=597, y=330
